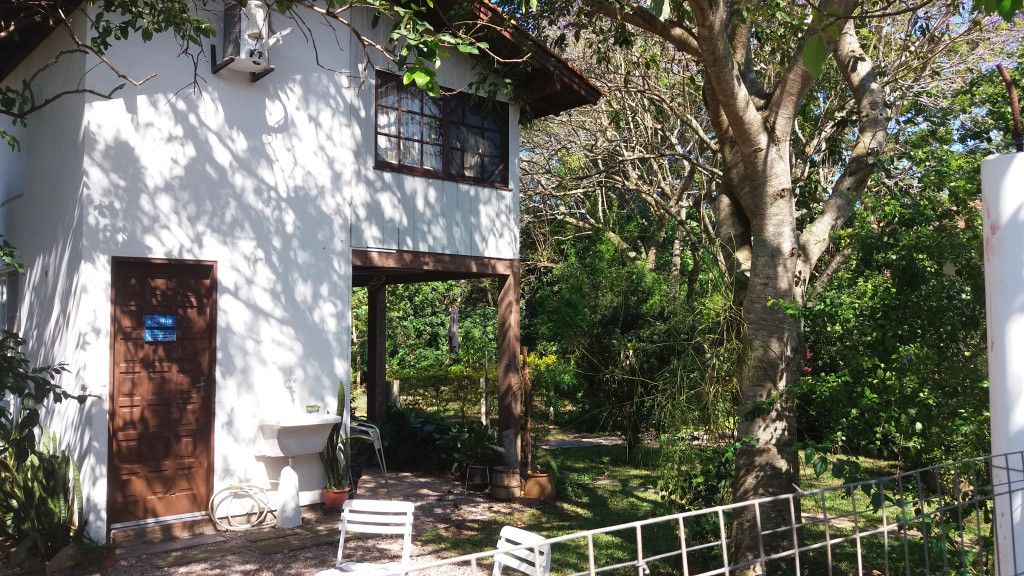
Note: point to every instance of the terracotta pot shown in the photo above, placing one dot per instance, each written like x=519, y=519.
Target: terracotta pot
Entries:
x=108, y=560
x=100, y=562
x=334, y=499
x=539, y=485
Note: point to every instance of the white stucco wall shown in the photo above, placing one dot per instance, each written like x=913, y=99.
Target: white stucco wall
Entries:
x=272, y=180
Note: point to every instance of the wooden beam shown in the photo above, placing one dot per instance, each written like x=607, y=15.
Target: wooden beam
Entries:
x=510, y=402
x=365, y=277
x=431, y=262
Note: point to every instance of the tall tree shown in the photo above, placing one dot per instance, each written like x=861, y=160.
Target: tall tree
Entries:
x=801, y=100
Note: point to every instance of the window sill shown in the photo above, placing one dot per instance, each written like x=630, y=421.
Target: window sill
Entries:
x=433, y=175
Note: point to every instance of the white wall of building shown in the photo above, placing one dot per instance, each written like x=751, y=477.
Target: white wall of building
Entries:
x=273, y=180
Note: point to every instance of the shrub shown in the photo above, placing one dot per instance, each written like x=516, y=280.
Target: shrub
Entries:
x=40, y=498
x=416, y=440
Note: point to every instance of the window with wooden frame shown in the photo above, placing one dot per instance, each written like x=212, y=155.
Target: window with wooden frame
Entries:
x=10, y=293
x=455, y=136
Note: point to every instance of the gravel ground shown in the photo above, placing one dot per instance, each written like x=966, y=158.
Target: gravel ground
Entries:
x=449, y=505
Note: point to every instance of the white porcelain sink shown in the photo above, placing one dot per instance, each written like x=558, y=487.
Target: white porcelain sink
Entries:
x=295, y=434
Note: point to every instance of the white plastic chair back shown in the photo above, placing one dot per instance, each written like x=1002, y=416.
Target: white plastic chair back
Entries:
x=388, y=517
x=535, y=561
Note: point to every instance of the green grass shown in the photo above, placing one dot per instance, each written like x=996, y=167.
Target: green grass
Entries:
x=581, y=505
x=599, y=487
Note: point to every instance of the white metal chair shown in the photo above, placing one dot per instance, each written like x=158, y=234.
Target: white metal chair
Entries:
x=367, y=431
x=388, y=517
x=535, y=561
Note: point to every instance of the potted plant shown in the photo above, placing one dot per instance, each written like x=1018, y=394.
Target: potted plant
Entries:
x=540, y=480
x=96, y=555
x=475, y=454
x=336, y=458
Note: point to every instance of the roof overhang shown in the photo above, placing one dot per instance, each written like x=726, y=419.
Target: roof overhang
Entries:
x=29, y=24
x=546, y=81
x=548, y=84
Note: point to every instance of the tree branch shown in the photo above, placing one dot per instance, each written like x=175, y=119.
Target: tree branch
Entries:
x=638, y=15
x=858, y=70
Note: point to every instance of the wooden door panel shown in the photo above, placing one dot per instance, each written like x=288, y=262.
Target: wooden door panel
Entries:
x=162, y=408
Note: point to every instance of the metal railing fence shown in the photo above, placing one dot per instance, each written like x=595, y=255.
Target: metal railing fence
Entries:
x=944, y=519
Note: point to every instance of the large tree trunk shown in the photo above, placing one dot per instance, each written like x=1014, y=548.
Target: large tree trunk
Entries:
x=768, y=258
x=770, y=362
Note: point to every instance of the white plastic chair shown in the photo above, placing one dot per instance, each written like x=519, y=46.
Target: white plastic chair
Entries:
x=389, y=517
x=535, y=561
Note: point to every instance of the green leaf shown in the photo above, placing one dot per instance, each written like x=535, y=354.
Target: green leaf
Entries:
x=820, y=465
x=877, y=500
x=661, y=9
x=839, y=469
x=815, y=53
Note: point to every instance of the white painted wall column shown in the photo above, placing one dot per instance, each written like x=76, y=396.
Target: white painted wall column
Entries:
x=1002, y=185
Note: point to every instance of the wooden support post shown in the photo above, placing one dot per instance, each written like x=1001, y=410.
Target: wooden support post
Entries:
x=376, y=386
x=527, y=409
x=510, y=403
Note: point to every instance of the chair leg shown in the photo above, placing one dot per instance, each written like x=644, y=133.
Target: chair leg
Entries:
x=384, y=468
x=341, y=549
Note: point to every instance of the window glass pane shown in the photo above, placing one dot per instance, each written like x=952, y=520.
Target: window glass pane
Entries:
x=432, y=157
x=472, y=118
x=387, y=149
x=490, y=123
x=387, y=93
x=432, y=106
x=492, y=143
x=432, y=129
x=456, y=136
x=492, y=168
x=473, y=142
x=410, y=153
x=473, y=166
x=412, y=98
x=411, y=128
x=387, y=121
x=455, y=163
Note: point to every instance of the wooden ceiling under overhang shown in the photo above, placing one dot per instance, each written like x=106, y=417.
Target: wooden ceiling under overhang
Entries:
x=24, y=26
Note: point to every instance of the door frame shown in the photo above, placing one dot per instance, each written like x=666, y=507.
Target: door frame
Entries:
x=112, y=376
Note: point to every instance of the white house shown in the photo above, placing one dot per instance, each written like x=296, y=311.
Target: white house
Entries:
x=190, y=251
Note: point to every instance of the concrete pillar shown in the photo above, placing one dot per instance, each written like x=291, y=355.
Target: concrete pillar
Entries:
x=1002, y=186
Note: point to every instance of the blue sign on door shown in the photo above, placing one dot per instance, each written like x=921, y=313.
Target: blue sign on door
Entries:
x=161, y=328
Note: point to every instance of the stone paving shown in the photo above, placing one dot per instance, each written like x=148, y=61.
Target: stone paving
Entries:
x=312, y=546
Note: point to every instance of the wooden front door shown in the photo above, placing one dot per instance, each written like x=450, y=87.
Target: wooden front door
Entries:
x=162, y=392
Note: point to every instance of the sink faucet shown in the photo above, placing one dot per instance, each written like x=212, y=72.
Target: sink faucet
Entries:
x=290, y=385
